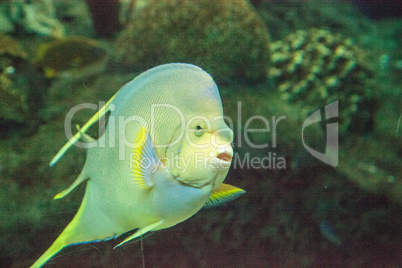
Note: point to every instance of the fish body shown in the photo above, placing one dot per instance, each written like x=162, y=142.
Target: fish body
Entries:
x=163, y=156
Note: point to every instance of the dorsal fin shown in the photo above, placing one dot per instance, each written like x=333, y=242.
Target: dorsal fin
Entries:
x=95, y=118
x=223, y=194
x=144, y=160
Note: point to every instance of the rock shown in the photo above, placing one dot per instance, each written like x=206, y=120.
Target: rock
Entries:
x=13, y=100
x=36, y=17
x=225, y=38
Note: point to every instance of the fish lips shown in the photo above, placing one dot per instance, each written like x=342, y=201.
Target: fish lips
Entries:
x=221, y=158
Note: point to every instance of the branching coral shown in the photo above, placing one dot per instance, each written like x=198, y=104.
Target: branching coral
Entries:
x=226, y=38
x=316, y=67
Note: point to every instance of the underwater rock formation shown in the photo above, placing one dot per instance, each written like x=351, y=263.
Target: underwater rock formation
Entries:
x=316, y=67
x=36, y=16
x=13, y=100
x=105, y=16
x=6, y=25
x=283, y=19
x=10, y=47
x=22, y=90
x=226, y=38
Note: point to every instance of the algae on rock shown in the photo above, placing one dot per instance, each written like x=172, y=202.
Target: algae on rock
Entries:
x=33, y=16
x=226, y=38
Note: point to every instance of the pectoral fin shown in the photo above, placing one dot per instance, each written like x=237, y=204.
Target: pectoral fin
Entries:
x=223, y=194
x=140, y=232
x=144, y=159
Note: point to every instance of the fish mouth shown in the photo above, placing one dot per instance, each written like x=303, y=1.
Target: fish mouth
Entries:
x=223, y=158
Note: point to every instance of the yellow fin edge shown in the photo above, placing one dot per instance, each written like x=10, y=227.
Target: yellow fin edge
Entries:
x=144, y=159
x=223, y=194
x=137, y=171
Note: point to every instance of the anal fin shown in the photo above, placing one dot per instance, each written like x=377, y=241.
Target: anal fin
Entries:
x=140, y=232
x=223, y=194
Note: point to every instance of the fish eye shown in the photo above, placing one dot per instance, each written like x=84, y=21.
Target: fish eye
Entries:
x=199, y=130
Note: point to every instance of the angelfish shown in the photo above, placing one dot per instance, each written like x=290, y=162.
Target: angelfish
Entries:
x=163, y=156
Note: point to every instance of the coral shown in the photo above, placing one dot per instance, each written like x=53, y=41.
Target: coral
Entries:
x=13, y=104
x=76, y=18
x=6, y=25
x=10, y=47
x=22, y=90
x=316, y=67
x=37, y=17
x=73, y=57
x=226, y=38
x=13, y=101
